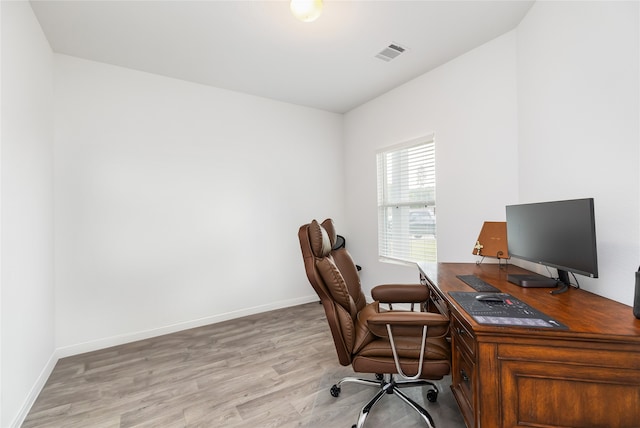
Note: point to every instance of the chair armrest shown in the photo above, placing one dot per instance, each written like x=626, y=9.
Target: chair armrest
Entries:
x=400, y=293
x=408, y=323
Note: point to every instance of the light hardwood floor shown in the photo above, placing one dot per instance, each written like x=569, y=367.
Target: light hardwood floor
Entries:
x=267, y=370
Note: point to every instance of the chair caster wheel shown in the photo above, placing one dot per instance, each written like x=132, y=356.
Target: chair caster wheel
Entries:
x=354, y=426
x=335, y=391
x=379, y=376
x=432, y=395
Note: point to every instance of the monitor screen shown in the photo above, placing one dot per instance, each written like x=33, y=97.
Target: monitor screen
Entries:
x=560, y=234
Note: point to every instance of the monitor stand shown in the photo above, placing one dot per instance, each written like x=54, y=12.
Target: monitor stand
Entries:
x=563, y=282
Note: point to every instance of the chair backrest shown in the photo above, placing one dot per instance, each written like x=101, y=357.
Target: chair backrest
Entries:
x=346, y=265
x=328, y=281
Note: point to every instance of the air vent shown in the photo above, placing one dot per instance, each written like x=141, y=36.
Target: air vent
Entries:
x=390, y=52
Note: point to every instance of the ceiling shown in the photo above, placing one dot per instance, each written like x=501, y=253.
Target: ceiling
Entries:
x=257, y=47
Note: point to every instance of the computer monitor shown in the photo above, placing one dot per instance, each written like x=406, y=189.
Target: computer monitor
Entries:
x=559, y=234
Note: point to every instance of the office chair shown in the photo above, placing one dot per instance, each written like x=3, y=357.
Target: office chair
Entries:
x=410, y=344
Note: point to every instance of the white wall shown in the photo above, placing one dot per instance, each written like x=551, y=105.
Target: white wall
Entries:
x=179, y=204
x=470, y=104
x=578, y=95
x=26, y=282
x=548, y=111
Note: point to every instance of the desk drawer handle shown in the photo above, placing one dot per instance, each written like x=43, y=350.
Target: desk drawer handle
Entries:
x=460, y=331
x=464, y=376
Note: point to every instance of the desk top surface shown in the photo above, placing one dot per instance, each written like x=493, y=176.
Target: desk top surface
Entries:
x=586, y=315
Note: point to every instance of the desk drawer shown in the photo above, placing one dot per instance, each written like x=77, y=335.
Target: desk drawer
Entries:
x=463, y=374
x=463, y=337
x=437, y=302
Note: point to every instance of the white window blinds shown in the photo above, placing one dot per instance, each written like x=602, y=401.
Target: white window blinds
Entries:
x=407, y=202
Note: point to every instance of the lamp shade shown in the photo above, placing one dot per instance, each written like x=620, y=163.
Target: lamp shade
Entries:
x=306, y=10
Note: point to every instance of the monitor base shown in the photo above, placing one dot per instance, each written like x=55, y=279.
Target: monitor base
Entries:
x=562, y=287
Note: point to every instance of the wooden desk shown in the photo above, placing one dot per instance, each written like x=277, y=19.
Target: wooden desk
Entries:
x=586, y=376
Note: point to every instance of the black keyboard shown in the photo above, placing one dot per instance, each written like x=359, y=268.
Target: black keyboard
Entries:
x=478, y=284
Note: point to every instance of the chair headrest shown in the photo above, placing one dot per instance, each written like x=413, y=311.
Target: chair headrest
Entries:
x=319, y=239
x=331, y=231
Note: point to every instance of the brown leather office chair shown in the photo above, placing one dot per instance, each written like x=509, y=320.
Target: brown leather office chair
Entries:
x=371, y=340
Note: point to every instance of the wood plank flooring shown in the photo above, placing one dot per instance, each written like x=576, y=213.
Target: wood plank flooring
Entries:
x=267, y=370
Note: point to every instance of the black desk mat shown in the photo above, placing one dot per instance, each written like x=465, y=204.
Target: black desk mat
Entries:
x=509, y=312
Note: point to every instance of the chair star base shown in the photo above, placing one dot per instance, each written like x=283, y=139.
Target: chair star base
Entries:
x=390, y=386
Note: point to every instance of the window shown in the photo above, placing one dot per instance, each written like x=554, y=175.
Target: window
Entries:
x=407, y=202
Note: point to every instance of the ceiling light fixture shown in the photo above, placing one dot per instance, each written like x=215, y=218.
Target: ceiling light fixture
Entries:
x=306, y=10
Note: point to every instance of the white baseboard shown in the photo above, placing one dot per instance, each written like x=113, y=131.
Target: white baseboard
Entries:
x=107, y=342
x=35, y=391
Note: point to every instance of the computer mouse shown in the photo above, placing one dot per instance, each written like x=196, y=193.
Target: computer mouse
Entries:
x=489, y=298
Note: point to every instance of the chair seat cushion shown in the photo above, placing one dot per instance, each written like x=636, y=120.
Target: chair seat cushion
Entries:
x=431, y=369
x=377, y=357
x=408, y=347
